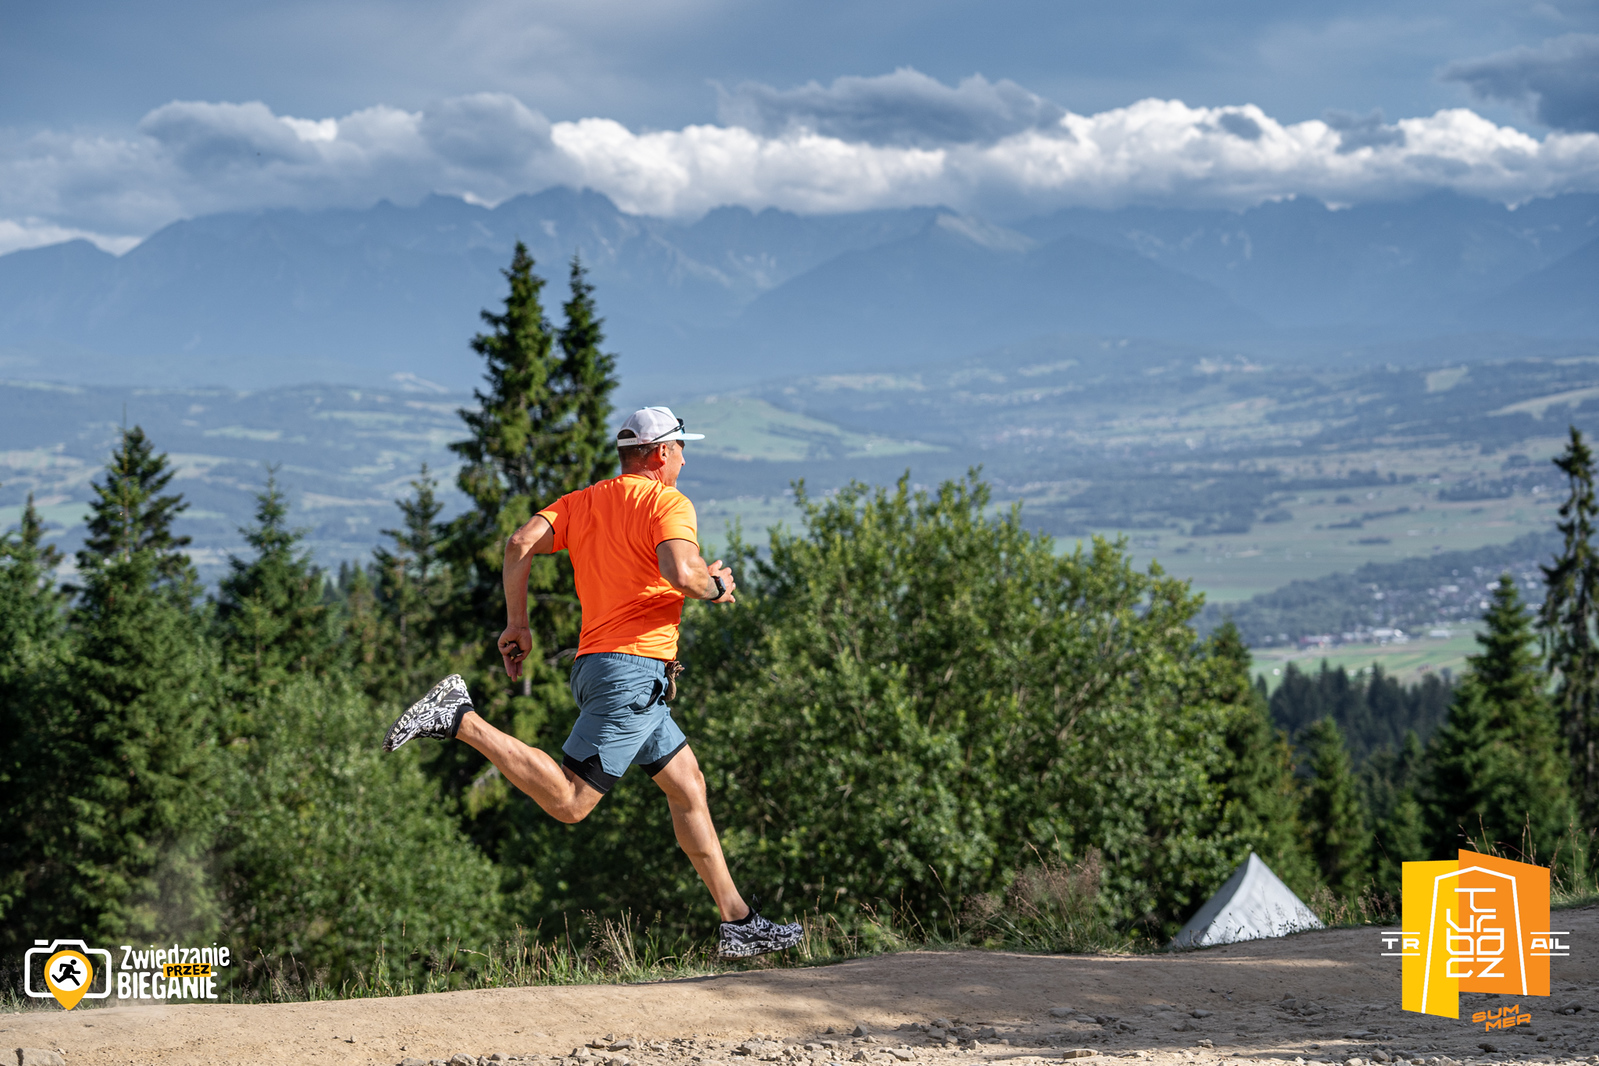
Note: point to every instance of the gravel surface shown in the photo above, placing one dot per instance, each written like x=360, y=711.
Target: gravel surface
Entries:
x=1325, y=998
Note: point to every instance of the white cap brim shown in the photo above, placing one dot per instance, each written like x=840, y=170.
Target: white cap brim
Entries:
x=634, y=442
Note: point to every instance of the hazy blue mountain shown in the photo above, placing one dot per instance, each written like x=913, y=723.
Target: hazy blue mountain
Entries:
x=382, y=290
x=958, y=286
x=271, y=298
x=1562, y=299
x=1297, y=263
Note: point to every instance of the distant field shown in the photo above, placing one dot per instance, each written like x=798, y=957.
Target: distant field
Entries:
x=1228, y=568
x=1232, y=568
x=1407, y=662
x=1236, y=474
x=342, y=457
x=749, y=429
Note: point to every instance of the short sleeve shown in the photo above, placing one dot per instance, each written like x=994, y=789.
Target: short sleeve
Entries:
x=675, y=519
x=557, y=515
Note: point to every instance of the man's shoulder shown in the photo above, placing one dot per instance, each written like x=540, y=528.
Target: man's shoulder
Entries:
x=629, y=492
x=672, y=499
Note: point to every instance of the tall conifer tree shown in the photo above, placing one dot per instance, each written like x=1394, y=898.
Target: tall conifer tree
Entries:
x=1334, y=814
x=1399, y=826
x=270, y=611
x=1260, y=795
x=130, y=514
x=1499, y=775
x=415, y=585
x=30, y=603
x=1570, y=623
x=145, y=766
x=34, y=744
x=588, y=377
x=499, y=475
x=539, y=431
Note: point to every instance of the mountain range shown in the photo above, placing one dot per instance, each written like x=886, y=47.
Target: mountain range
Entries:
x=357, y=296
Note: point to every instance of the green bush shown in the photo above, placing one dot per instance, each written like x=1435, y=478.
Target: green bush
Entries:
x=914, y=698
x=336, y=848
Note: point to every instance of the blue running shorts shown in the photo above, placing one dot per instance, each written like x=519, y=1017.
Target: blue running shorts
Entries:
x=622, y=720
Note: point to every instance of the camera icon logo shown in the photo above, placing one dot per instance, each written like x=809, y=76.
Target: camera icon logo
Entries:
x=68, y=971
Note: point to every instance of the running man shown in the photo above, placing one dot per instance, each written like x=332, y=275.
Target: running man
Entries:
x=634, y=544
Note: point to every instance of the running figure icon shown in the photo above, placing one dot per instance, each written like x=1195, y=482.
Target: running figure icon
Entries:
x=68, y=971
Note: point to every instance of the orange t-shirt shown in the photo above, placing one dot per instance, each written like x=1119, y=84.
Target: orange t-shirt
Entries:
x=611, y=528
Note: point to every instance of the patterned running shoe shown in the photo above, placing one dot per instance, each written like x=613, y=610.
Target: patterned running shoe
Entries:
x=757, y=936
x=438, y=714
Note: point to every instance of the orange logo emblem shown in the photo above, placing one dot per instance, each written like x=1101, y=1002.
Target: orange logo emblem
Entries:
x=1474, y=924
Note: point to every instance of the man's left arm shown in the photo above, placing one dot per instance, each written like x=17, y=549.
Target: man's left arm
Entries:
x=686, y=570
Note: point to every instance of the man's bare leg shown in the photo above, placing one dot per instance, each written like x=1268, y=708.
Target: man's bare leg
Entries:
x=565, y=796
x=684, y=786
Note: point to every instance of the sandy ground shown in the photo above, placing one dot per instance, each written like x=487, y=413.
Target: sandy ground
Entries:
x=1318, y=997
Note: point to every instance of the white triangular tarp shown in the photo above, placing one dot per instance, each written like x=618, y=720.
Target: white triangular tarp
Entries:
x=1254, y=903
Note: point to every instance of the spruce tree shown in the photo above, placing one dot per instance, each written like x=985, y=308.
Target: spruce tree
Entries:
x=539, y=431
x=1399, y=827
x=30, y=604
x=499, y=477
x=415, y=587
x=144, y=769
x=1570, y=622
x=588, y=377
x=362, y=628
x=34, y=747
x=1260, y=795
x=1334, y=815
x=1499, y=772
x=271, y=617
x=130, y=514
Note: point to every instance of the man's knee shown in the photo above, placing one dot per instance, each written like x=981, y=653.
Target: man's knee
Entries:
x=577, y=805
x=571, y=813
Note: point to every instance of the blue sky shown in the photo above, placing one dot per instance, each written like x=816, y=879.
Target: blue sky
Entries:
x=485, y=98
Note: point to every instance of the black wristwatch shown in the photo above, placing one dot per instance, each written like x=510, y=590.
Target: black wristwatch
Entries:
x=721, y=589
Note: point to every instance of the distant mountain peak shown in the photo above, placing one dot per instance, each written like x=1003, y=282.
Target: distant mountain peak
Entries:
x=282, y=296
x=986, y=234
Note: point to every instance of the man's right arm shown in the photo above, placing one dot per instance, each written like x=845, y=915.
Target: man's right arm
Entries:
x=537, y=537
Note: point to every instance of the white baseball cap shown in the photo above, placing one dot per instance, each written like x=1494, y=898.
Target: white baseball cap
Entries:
x=652, y=425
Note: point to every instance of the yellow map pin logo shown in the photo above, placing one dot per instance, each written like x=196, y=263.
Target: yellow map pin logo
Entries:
x=68, y=975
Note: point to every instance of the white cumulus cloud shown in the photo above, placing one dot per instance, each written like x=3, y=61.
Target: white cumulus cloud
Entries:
x=1155, y=151
x=860, y=143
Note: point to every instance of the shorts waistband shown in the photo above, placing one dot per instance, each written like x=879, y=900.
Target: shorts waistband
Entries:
x=621, y=655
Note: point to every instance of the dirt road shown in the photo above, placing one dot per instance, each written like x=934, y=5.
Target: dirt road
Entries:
x=1010, y=1010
